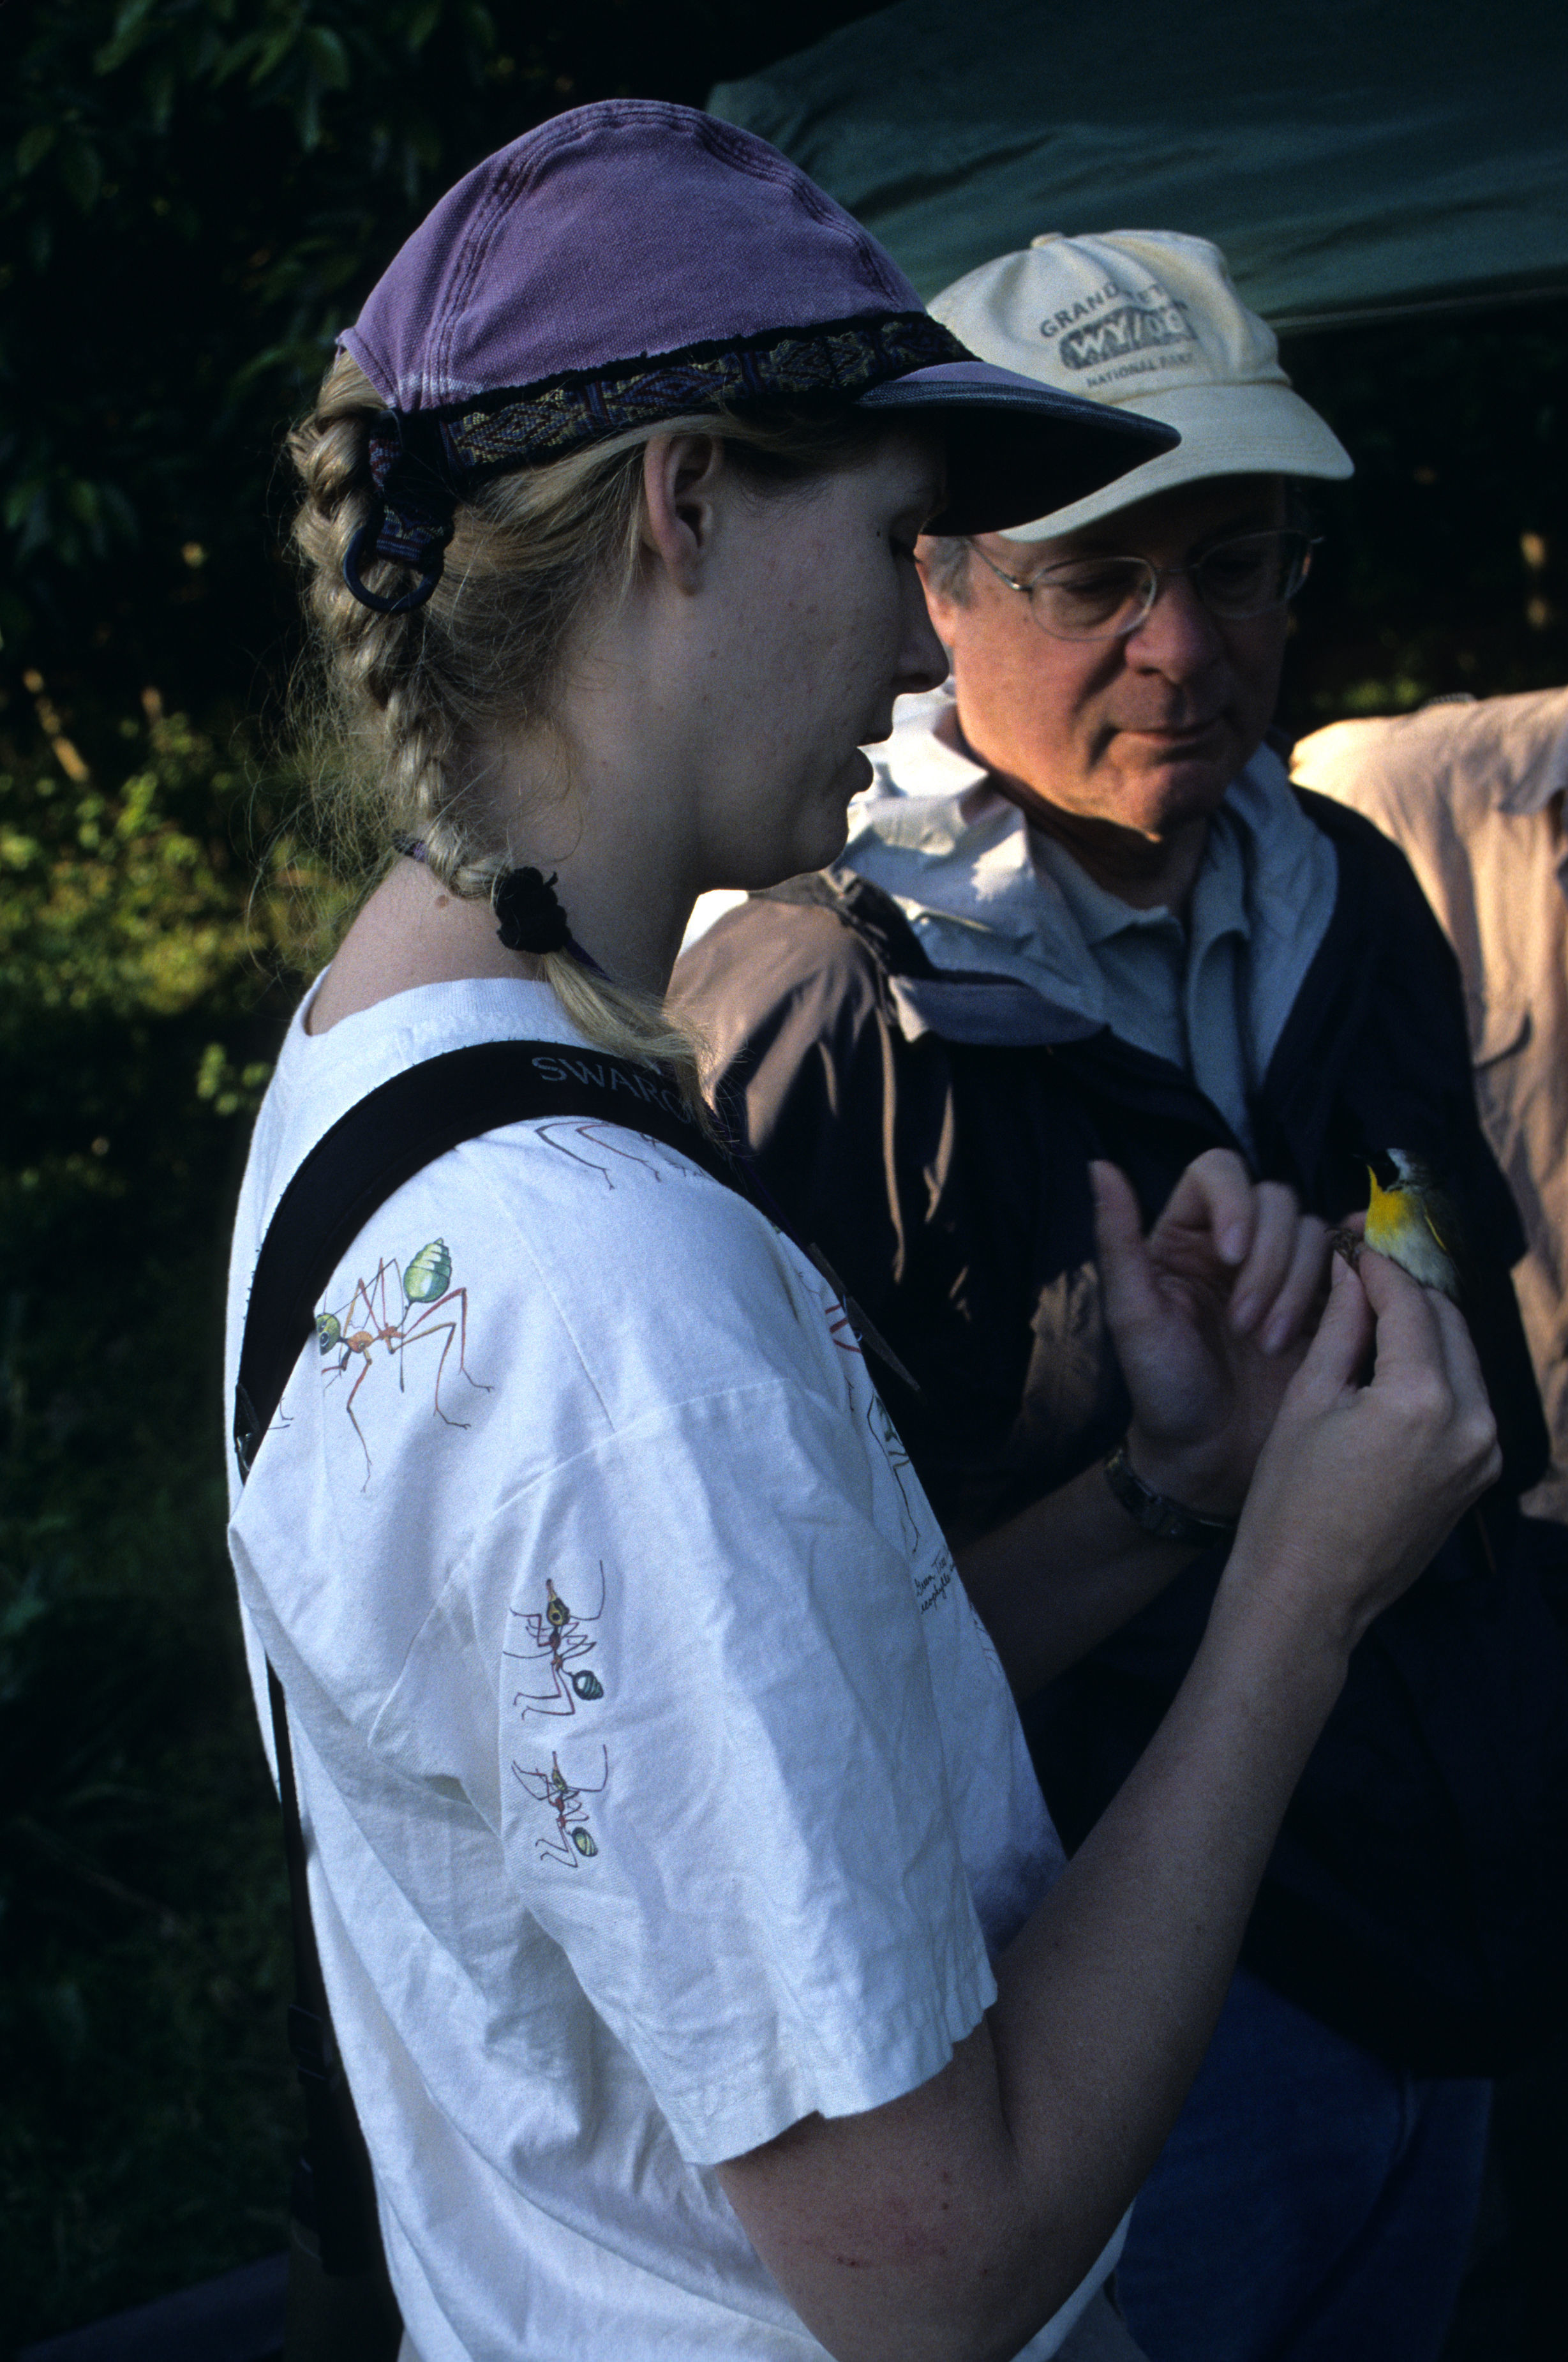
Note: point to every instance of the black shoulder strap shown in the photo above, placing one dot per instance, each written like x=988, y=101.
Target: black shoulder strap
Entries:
x=394, y=1133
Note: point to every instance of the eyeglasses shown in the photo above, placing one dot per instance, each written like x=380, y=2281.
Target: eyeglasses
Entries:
x=1096, y=598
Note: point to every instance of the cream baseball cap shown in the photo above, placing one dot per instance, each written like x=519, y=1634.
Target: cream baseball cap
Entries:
x=1147, y=321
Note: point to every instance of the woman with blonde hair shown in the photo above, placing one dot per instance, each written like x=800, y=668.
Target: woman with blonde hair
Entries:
x=704, y=1965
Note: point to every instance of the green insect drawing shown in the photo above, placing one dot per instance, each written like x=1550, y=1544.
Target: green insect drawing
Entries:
x=555, y=1639
x=572, y=1842
x=392, y=1311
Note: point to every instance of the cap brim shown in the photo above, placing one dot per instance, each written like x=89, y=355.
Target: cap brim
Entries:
x=1226, y=430
x=1017, y=450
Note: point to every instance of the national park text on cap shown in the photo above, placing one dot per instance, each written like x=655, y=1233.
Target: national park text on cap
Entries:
x=1149, y=322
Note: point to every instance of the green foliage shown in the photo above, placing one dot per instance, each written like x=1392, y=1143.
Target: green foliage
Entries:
x=211, y=179
x=149, y=937
x=217, y=184
x=112, y=909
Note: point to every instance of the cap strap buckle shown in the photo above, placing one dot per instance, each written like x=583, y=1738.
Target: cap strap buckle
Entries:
x=412, y=519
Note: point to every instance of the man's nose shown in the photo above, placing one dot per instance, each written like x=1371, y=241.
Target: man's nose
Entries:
x=1178, y=637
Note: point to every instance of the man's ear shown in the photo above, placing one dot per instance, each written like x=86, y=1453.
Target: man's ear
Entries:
x=681, y=475
x=939, y=603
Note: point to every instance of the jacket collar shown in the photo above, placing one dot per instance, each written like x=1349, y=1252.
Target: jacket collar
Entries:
x=1010, y=954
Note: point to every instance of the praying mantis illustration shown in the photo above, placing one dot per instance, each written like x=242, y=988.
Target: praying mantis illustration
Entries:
x=555, y=1639
x=396, y=1309
x=572, y=1842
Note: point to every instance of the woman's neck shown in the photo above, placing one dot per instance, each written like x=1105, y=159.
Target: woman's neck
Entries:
x=412, y=931
x=613, y=878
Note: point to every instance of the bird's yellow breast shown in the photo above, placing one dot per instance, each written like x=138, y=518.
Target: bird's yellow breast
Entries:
x=1398, y=1226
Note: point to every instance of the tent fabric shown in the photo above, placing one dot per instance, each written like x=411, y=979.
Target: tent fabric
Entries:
x=1355, y=159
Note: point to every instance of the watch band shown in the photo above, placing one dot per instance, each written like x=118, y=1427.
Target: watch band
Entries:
x=1166, y=1520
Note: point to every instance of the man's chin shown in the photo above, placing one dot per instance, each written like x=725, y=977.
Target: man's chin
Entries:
x=1172, y=793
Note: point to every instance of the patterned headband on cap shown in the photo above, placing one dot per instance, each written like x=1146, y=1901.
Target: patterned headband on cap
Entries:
x=424, y=463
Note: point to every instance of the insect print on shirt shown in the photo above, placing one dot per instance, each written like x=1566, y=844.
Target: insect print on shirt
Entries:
x=898, y=1460
x=841, y=1329
x=557, y=1638
x=572, y=1842
x=593, y=1136
x=396, y=1309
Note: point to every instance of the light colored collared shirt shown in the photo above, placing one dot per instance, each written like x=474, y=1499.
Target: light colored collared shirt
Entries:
x=987, y=894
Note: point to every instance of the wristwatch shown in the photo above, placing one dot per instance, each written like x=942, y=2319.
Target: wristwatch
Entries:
x=1166, y=1519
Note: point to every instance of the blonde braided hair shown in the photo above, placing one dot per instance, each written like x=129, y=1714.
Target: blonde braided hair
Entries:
x=396, y=700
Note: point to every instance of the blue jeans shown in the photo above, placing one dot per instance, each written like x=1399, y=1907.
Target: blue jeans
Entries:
x=1311, y=2204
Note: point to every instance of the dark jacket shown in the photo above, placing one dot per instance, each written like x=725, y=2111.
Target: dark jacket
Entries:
x=1413, y=1898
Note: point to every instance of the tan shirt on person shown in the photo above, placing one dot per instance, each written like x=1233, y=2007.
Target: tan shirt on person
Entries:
x=1473, y=794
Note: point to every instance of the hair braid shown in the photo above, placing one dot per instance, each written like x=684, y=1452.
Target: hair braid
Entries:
x=400, y=701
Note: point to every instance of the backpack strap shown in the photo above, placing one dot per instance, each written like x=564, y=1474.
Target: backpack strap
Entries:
x=393, y=1133
x=396, y=1131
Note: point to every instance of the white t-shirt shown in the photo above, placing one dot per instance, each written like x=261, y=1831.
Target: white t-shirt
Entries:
x=662, y=1784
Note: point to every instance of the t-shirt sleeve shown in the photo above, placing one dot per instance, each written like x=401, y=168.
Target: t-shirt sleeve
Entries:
x=722, y=1783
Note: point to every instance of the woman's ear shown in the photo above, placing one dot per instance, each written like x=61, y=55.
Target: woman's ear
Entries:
x=681, y=475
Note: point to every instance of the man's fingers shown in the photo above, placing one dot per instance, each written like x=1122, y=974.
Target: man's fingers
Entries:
x=1269, y=1257
x=1337, y=1353
x=1301, y=1289
x=1215, y=1194
x=1125, y=1279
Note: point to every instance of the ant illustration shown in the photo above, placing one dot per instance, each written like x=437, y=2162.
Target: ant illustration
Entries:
x=369, y=1318
x=887, y=1435
x=557, y=1637
x=572, y=1842
x=591, y=1133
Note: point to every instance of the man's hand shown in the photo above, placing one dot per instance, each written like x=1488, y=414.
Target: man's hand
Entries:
x=1210, y=1316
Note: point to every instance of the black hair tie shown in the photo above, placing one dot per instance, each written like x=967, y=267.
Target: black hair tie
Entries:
x=531, y=920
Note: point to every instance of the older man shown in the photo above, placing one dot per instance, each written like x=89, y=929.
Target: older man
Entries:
x=1081, y=913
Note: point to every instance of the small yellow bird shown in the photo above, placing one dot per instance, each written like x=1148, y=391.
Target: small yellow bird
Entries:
x=1411, y=1222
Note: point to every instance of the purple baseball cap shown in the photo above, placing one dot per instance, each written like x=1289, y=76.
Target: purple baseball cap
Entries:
x=634, y=260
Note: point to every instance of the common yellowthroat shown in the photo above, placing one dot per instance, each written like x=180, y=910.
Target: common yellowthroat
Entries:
x=1411, y=1222
x=1410, y=1219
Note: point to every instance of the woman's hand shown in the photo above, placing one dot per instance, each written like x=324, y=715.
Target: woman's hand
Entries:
x=1358, y=1484
x=1208, y=1315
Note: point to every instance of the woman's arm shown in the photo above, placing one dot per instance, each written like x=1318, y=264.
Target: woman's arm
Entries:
x=947, y=2226
x=1207, y=1316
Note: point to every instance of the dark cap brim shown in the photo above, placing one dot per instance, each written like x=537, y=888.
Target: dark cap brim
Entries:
x=1016, y=450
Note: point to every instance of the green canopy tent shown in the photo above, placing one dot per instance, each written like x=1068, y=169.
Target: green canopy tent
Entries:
x=1356, y=160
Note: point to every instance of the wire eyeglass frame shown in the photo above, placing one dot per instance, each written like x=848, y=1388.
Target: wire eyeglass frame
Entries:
x=1144, y=577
